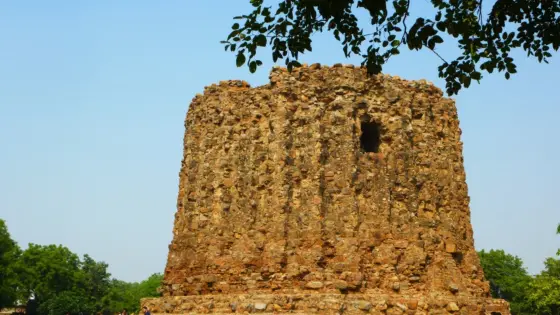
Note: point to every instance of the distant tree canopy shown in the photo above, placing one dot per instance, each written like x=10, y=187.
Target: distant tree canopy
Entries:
x=527, y=294
x=558, y=232
x=508, y=278
x=485, y=34
x=60, y=282
x=127, y=295
x=544, y=290
x=9, y=252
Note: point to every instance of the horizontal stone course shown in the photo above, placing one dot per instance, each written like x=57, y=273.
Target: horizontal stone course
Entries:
x=324, y=304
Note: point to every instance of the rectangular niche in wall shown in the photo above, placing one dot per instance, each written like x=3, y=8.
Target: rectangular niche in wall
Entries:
x=370, y=139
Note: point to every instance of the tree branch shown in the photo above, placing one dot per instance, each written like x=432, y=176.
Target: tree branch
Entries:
x=435, y=52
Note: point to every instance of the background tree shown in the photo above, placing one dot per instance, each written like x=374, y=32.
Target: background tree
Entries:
x=127, y=295
x=558, y=232
x=121, y=295
x=485, y=35
x=46, y=271
x=9, y=252
x=508, y=279
x=54, y=280
x=60, y=282
x=545, y=289
x=67, y=301
x=150, y=287
x=551, y=267
x=93, y=282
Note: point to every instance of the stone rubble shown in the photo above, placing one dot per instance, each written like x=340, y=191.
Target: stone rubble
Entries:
x=325, y=191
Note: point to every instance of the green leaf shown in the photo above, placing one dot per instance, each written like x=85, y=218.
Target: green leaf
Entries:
x=234, y=33
x=260, y=40
x=252, y=66
x=336, y=34
x=431, y=44
x=511, y=68
x=467, y=82
x=437, y=39
x=240, y=59
x=476, y=75
x=235, y=26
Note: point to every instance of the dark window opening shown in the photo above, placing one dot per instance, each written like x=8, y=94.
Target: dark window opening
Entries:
x=458, y=257
x=496, y=313
x=370, y=138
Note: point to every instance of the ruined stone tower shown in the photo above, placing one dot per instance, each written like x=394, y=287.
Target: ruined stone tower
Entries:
x=325, y=191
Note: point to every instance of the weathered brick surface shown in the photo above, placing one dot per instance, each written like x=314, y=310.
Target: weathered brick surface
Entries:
x=321, y=303
x=277, y=198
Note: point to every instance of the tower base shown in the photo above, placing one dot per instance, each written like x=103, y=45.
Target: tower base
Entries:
x=315, y=303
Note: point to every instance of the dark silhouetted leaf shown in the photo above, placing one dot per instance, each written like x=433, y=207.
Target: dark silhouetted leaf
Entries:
x=240, y=59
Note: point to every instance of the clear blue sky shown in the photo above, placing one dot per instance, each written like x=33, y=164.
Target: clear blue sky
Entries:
x=93, y=96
